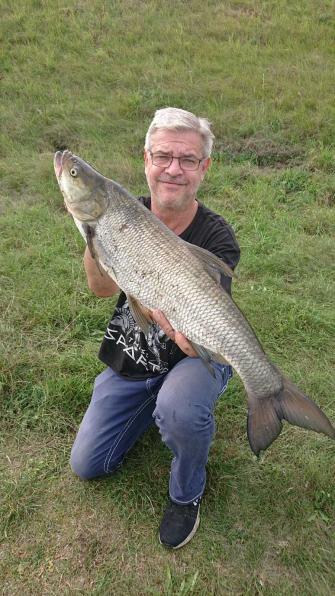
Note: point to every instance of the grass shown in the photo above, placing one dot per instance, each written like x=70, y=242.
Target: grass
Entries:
x=89, y=77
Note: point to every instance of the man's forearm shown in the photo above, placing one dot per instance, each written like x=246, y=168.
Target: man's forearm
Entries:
x=98, y=281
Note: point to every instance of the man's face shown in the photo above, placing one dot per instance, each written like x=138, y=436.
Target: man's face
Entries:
x=172, y=187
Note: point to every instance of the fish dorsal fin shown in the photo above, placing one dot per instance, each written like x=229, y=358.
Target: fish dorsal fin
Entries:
x=213, y=264
x=140, y=313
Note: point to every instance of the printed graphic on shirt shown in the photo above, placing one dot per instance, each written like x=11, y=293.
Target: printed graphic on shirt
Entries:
x=127, y=335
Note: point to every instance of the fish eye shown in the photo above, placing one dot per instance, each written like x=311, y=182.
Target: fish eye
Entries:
x=74, y=172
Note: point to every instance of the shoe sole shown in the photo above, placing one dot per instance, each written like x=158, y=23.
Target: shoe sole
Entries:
x=188, y=538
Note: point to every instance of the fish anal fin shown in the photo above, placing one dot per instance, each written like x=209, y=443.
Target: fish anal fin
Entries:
x=213, y=264
x=140, y=313
x=204, y=355
x=207, y=356
x=218, y=358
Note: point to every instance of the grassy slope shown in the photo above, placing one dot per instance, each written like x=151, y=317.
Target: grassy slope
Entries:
x=89, y=78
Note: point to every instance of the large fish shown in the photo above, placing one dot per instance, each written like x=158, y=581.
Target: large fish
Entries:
x=158, y=270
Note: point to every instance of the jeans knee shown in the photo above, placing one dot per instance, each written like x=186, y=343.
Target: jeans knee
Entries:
x=87, y=467
x=182, y=417
x=80, y=466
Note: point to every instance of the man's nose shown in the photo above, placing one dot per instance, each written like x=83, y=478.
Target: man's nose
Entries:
x=174, y=168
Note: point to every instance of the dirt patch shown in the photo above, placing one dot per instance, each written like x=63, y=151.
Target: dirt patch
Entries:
x=241, y=10
x=57, y=137
x=327, y=199
x=260, y=151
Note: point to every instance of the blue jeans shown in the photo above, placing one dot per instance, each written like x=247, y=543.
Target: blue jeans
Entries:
x=180, y=402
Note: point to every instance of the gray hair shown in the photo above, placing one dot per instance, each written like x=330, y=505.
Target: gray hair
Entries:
x=177, y=119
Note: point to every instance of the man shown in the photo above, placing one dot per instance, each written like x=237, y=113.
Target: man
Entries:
x=158, y=378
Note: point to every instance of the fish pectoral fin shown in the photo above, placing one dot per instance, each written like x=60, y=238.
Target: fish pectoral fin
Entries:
x=213, y=265
x=265, y=416
x=140, y=313
x=79, y=224
x=89, y=233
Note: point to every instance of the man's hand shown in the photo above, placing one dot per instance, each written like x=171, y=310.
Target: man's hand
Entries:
x=176, y=336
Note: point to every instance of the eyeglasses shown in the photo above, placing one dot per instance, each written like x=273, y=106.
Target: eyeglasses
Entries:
x=162, y=160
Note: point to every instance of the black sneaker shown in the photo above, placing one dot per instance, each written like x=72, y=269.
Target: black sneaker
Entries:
x=179, y=524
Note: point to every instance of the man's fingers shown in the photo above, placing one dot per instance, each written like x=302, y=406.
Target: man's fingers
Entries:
x=184, y=344
x=180, y=339
x=164, y=324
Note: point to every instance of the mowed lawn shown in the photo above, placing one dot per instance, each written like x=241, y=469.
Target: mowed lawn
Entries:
x=88, y=77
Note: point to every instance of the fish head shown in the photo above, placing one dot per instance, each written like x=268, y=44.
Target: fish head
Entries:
x=83, y=188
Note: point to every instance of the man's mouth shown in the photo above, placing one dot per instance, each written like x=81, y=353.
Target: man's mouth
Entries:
x=172, y=182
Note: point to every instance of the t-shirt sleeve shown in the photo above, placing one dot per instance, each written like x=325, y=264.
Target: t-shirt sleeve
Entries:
x=221, y=241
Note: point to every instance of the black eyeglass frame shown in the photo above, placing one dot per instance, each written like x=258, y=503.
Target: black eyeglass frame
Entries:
x=172, y=157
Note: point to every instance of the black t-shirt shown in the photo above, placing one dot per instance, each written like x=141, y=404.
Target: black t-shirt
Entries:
x=124, y=347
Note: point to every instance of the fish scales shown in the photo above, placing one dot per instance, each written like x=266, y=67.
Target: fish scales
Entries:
x=152, y=264
x=138, y=247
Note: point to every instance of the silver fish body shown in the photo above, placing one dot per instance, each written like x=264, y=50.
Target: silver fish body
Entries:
x=155, y=266
x=157, y=269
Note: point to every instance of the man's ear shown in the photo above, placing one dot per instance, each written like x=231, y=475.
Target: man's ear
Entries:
x=205, y=165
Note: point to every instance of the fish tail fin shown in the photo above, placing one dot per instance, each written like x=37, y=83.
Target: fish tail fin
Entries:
x=265, y=416
x=264, y=423
x=300, y=410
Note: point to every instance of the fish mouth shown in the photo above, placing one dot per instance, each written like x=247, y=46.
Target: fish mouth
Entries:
x=58, y=163
x=59, y=159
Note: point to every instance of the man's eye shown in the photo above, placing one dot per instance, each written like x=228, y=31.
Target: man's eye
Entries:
x=188, y=162
x=161, y=158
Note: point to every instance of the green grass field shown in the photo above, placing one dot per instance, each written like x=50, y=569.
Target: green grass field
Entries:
x=88, y=77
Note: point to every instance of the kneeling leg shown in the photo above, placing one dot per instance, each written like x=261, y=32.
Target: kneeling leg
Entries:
x=184, y=416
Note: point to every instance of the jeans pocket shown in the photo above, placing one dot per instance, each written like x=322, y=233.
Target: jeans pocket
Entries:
x=226, y=373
